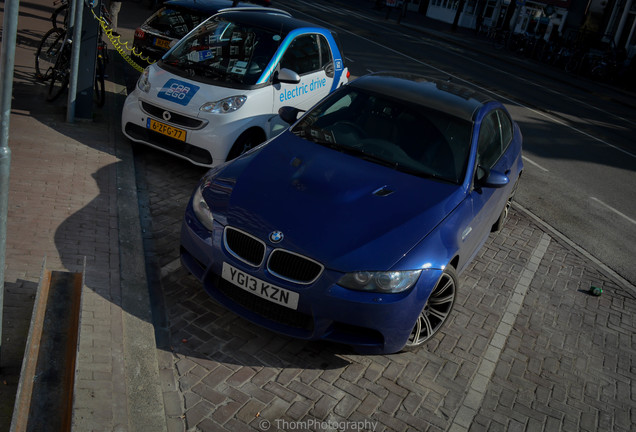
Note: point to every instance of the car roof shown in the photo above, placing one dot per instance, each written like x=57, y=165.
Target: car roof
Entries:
x=273, y=19
x=208, y=6
x=443, y=96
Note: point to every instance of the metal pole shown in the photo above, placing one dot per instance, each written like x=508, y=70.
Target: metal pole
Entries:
x=7, y=62
x=78, y=10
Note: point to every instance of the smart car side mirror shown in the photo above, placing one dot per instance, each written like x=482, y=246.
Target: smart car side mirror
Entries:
x=287, y=76
x=491, y=178
x=289, y=114
x=329, y=70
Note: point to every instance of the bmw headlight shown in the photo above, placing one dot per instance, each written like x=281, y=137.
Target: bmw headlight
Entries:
x=383, y=282
x=201, y=208
x=224, y=106
x=143, y=83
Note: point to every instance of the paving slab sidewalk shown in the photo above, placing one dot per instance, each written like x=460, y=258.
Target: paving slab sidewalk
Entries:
x=73, y=198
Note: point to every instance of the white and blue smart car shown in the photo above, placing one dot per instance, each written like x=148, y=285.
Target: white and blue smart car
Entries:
x=217, y=92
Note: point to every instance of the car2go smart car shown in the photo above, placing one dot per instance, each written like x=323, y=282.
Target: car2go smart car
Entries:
x=352, y=225
x=217, y=92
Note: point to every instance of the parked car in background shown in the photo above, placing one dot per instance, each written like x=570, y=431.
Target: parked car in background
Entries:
x=353, y=225
x=175, y=19
x=217, y=92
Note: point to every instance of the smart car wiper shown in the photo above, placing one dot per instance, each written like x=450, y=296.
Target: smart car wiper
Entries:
x=186, y=64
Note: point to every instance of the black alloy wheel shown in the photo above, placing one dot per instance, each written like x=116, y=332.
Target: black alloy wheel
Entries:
x=436, y=311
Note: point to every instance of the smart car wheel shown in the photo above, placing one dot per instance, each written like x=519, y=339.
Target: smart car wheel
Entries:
x=436, y=311
x=247, y=141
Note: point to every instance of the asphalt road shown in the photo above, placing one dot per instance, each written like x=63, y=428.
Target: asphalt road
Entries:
x=579, y=151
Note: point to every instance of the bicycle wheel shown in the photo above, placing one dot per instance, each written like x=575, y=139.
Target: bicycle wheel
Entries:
x=60, y=74
x=59, y=18
x=47, y=53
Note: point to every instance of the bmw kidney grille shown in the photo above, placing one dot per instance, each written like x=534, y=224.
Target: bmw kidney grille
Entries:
x=282, y=263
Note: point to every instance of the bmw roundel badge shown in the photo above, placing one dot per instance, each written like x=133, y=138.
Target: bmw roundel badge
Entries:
x=276, y=236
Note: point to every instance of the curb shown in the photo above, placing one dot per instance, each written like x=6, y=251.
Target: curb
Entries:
x=141, y=366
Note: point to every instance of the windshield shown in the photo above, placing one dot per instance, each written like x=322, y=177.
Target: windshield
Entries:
x=225, y=51
x=395, y=133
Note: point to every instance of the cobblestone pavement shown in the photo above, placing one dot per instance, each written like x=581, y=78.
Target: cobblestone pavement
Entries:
x=527, y=348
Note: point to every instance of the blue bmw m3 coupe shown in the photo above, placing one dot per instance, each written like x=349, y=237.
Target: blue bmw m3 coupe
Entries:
x=353, y=225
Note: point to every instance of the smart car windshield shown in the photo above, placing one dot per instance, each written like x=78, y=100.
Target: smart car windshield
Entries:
x=222, y=50
x=408, y=137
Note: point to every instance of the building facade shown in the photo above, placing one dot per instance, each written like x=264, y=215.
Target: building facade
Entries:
x=612, y=22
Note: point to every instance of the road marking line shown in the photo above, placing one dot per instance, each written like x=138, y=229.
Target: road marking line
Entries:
x=481, y=378
x=531, y=162
x=614, y=210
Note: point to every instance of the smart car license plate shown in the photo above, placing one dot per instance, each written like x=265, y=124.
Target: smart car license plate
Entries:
x=164, y=129
x=260, y=288
x=162, y=43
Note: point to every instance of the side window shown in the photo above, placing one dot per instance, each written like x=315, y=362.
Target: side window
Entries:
x=303, y=55
x=489, y=145
x=506, y=130
x=325, y=51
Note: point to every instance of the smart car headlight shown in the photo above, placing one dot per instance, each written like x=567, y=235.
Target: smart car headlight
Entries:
x=201, y=208
x=143, y=83
x=224, y=106
x=383, y=282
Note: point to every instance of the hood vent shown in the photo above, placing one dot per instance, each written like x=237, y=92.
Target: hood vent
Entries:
x=383, y=191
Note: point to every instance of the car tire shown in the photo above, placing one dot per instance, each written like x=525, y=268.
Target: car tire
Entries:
x=503, y=217
x=436, y=311
x=247, y=141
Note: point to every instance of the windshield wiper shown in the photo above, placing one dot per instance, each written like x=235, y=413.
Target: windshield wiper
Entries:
x=381, y=161
x=423, y=174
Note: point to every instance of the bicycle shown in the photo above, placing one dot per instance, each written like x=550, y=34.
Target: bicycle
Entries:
x=53, y=62
x=60, y=73
x=59, y=17
x=47, y=52
x=61, y=70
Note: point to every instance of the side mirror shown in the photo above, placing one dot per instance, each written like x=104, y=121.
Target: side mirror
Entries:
x=329, y=70
x=287, y=76
x=491, y=178
x=289, y=114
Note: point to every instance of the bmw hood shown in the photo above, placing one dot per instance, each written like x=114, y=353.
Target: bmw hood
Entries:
x=345, y=212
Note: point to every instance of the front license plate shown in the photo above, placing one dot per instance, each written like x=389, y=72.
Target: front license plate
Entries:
x=162, y=43
x=164, y=129
x=260, y=288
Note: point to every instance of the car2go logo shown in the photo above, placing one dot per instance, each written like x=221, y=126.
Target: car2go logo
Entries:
x=178, y=91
